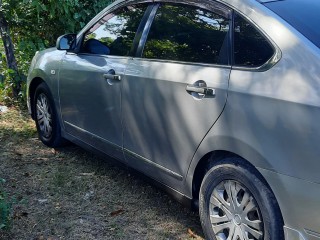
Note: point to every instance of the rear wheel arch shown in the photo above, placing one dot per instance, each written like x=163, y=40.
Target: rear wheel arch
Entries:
x=202, y=167
x=213, y=158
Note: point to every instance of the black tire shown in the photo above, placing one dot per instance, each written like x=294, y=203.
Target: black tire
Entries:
x=235, y=173
x=51, y=138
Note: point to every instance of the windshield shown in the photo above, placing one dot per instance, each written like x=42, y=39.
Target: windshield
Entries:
x=303, y=15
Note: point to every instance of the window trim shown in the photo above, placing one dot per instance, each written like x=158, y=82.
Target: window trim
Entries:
x=141, y=36
x=209, y=5
x=184, y=63
x=276, y=57
x=83, y=32
x=204, y=4
x=139, y=33
x=144, y=36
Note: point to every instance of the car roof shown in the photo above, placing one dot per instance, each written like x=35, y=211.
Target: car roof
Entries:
x=267, y=1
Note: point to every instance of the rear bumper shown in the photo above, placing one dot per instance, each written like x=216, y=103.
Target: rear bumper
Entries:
x=299, y=202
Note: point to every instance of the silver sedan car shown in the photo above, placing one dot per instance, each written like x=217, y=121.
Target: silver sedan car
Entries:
x=216, y=100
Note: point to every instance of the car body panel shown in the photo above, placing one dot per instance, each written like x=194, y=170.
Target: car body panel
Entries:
x=157, y=110
x=299, y=202
x=282, y=136
x=42, y=66
x=293, y=234
x=280, y=139
x=291, y=88
x=90, y=103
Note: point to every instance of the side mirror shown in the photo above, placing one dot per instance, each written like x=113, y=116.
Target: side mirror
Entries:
x=67, y=42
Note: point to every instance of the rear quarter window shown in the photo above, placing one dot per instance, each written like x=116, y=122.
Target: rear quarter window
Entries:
x=251, y=48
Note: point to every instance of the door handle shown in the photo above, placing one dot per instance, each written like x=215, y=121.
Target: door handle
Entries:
x=208, y=92
x=113, y=77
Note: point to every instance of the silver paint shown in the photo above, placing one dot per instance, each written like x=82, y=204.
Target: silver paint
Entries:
x=269, y=117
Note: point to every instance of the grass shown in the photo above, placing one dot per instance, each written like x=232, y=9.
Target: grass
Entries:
x=5, y=208
x=72, y=194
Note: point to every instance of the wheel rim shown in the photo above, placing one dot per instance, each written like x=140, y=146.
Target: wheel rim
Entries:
x=234, y=213
x=44, y=116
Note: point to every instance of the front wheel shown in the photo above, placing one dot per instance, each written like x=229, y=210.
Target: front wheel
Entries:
x=236, y=204
x=46, y=117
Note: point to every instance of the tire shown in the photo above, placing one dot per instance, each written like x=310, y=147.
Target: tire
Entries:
x=46, y=117
x=240, y=203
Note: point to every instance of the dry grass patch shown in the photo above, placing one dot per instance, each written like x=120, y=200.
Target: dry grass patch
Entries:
x=71, y=194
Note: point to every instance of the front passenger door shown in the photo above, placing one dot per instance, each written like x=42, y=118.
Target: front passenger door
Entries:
x=90, y=81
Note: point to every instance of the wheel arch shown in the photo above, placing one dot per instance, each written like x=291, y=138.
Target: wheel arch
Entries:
x=32, y=89
x=217, y=146
x=198, y=168
x=213, y=157
x=202, y=167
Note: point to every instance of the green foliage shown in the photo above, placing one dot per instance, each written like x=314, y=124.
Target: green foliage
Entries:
x=43, y=21
x=35, y=25
x=11, y=79
x=5, y=208
x=186, y=34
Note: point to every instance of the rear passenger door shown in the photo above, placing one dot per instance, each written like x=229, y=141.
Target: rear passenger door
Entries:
x=176, y=87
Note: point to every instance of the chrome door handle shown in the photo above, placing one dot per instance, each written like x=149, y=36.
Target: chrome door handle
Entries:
x=208, y=92
x=110, y=76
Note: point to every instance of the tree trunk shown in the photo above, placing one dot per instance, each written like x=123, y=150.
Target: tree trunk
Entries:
x=9, y=50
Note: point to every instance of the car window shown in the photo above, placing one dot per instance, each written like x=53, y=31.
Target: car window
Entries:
x=114, y=33
x=251, y=48
x=187, y=33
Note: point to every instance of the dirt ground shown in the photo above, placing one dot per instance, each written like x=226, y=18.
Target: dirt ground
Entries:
x=72, y=194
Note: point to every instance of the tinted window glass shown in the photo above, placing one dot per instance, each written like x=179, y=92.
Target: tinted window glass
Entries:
x=185, y=33
x=302, y=15
x=114, y=33
x=251, y=48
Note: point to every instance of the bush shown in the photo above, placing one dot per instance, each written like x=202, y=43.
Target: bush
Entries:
x=6, y=94
x=35, y=25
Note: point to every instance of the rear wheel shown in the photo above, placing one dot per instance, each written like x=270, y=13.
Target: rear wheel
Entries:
x=236, y=204
x=46, y=117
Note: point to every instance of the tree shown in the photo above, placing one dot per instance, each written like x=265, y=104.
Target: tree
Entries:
x=9, y=52
x=30, y=25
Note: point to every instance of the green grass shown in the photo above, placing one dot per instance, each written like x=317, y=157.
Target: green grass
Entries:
x=2, y=92
x=17, y=124
x=5, y=208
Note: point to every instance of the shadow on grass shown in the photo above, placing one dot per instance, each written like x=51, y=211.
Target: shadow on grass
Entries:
x=88, y=187
x=150, y=202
